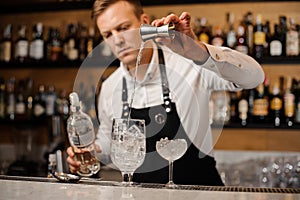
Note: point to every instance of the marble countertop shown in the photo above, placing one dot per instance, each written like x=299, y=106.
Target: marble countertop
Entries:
x=45, y=188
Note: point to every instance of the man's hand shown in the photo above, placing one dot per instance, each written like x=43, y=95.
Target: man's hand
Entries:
x=185, y=42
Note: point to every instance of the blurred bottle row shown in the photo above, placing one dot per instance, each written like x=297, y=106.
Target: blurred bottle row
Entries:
x=77, y=41
x=73, y=44
x=254, y=38
x=19, y=101
x=277, y=103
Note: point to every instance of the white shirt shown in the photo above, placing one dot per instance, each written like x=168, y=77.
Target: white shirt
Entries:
x=190, y=87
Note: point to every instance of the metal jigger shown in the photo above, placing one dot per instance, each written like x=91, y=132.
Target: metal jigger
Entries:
x=149, y=32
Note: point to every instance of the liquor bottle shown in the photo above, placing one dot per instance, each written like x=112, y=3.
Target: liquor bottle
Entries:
x=276, y=42
x=39, y=106
x=297, y=103
x=230, y=34
x=243, y=108
x=22, y=45
x=20, y=101
x=260, y=104
x=251, y=94
x=83, y=42
x=28, y=94
x=63, y=104
x=292, y=40
x=54, y=46
x=267, y=31
x=289, y=103
x=11, y=99
x=234, y=99
x=241, y=44
x=2, y=99
x=276, y=105
x=36, y=49
x=283, y=30
x=259, y=38
x=218, y=38
x=50, y=100
x=205, y=35
x=249, y=32
x=91, y=41
x=70, y=47
x=81, y=137
x=7, y=45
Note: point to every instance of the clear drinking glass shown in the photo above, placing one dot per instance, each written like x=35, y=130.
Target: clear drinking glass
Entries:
x=171, y=150
x=128, y=146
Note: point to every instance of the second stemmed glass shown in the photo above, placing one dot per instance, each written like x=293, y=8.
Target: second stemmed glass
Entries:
x=171, y=150
x=128, y=146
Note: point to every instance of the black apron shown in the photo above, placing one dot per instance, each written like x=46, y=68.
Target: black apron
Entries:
x=193, y=168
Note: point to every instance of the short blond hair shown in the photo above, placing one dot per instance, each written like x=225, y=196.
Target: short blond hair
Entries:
x=101, y=5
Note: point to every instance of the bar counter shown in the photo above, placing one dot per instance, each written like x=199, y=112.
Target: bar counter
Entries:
x=28, y=188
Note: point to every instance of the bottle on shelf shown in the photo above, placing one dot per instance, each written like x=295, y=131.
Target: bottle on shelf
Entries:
x=63, y=104
x=83, y=41
x=261, y=104
x=283, y=30
x=249, y=30
x=2, y=99
x=70, y=47
x=205, y=33
x=81, y=137
x=36, y=48
x=292, y=39
x=218, y=39
x=39, y=106
x=259, y=38
x=6, y=47
x=91, y=41
x=243, y=108
x=54, y=46
x=276, y=42
x=11, y=99
x=234, y=99
x=20, y=101
x=267, y=31
x=28, y=94
x=276, y=105
x=289, y=103
x=230, y=32
x=241, y=43
x=22, y=45
x=50, y=100
x=297, y=103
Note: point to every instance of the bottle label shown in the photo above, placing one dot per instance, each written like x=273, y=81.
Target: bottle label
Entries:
x=6, y=51
x=243, y=49
x=38, y=110
x=243, y=109
x=83, y=140
x=217, y=41
x=260, y=107
x=22, y=48
x=289, y=106
x=231, y=39
x=275, y=48
x=20, y=108
x=276, y=104
x=259, y=38
x=292, y=43
x=37, y=49
x=204, y=38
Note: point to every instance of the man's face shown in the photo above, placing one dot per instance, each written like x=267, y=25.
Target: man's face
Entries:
x=119, y=27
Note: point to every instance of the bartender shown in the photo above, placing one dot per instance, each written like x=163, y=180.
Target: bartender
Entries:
x=174, y=81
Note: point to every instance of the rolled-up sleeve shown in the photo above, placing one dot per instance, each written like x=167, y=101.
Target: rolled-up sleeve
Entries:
x=238, y=68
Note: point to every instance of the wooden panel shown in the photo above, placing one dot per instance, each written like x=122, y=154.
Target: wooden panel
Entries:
x=257, y=139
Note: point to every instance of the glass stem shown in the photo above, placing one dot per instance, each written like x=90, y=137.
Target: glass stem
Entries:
x=171, y=172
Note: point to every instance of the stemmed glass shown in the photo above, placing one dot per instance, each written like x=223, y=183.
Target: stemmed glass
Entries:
x=128, y=146
x=171, y=150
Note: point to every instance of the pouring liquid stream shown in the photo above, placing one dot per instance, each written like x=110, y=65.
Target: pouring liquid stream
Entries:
x=138, y=62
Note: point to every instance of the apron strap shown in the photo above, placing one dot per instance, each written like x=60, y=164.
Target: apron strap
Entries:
x=165, y=87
